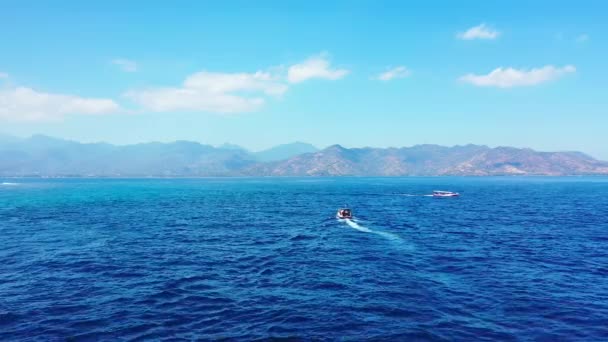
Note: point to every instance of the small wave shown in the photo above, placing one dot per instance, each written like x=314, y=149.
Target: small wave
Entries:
x=9, y=183
x=301, y=237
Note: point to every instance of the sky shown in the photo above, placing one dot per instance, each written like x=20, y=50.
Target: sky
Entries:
x=261, y=73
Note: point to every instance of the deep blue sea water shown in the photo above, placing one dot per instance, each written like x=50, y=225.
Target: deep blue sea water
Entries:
x=260, y=258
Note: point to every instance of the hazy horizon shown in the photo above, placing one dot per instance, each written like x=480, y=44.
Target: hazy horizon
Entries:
x=286, y=143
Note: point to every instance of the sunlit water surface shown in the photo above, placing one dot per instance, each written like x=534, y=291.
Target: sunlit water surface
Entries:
x=256, y=258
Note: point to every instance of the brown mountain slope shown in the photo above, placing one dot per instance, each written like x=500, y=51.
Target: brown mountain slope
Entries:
x=432, y=160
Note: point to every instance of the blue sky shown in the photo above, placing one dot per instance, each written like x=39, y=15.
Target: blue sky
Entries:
x=358, y=73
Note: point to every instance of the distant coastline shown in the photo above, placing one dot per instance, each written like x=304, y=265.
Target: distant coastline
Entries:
x=47, y=157
x=32, y=177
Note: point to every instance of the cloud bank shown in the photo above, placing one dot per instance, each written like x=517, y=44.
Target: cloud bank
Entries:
x=26, y=104
x=217, y=92
x=510, y=77
x=203, y=91
x=212, y=92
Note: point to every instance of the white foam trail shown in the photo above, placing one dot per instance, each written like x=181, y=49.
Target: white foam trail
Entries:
x=360, y=228
x=356, y=226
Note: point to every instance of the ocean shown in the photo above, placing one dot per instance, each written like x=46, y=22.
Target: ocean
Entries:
x=512, y=258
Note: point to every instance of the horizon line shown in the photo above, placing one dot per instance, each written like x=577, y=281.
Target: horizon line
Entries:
x=289, y=143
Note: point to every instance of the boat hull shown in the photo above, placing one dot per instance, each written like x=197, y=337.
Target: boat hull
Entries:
x=447, y=195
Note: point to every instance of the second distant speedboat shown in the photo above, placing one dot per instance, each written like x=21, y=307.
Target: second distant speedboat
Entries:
x=344, y=213
x=440, y=193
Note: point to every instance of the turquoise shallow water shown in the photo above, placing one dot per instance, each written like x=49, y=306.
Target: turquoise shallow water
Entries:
x=249, y=258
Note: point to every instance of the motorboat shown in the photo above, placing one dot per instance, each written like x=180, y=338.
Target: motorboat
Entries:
x=344, y=213
x=440, y=193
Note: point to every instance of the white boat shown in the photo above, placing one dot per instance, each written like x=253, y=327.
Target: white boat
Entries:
x=440, y=193
x=344, y=213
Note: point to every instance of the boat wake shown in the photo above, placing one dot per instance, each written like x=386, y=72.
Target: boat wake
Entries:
x=356, y=226
x=351, y=223
x=414, y=195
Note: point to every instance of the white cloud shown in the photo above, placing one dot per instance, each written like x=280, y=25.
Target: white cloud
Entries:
x=510, y=77
x=202, y=91
x=212, y=92
x=314, y=67
x=125, y=65
x=3, y=75
x=397, y=72
x=222, y=82
x=582, y=38
x=232, y=92
x=480, y=31
x=26, y=104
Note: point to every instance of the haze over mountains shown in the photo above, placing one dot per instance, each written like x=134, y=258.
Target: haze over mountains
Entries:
x=50, y=157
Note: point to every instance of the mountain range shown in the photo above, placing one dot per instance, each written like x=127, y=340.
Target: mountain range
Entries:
x=44, y=156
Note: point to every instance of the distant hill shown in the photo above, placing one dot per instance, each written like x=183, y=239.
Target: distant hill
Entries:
x=285, y=151
x=432, y=160
x=229, y=146
x=46, y=156
x=276, y=153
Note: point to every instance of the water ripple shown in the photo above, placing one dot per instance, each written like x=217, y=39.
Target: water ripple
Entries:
x=512, y=259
